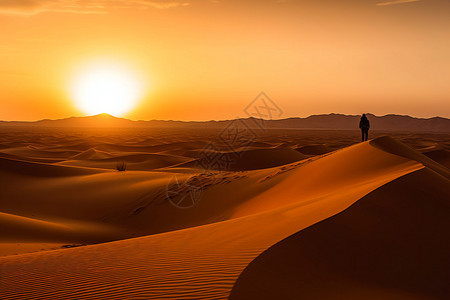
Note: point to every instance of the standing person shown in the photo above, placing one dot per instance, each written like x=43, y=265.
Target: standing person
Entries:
x=364, y=124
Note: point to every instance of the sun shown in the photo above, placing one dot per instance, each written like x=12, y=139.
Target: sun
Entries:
x=106, y=88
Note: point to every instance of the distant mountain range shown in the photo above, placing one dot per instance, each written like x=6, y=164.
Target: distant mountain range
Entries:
x=328, y=121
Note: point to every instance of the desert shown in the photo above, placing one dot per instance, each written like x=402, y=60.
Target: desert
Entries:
x=281, y=219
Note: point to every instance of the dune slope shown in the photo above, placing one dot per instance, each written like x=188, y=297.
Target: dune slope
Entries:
x=391, y=244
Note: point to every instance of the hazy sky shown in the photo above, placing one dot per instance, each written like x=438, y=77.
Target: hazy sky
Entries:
x=204, y=60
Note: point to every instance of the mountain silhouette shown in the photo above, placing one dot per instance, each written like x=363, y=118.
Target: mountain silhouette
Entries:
x=389, y=122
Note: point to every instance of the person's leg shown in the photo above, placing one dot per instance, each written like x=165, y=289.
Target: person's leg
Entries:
x=362, y=134
x=367, y=134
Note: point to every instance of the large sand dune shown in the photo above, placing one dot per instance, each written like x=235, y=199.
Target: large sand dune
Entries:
x=366, y=221
x=391, y=244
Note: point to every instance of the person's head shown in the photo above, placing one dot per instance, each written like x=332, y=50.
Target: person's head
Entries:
x=364, y=115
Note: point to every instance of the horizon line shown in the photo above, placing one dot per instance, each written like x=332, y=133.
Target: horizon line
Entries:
x=218, y=120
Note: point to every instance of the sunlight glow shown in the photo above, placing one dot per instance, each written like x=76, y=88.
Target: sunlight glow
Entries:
x=106, y=88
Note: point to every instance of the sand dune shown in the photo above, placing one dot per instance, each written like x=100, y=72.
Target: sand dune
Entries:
x=22, y=229
x=35, y=152
x=314, y=149
x=134, y=161
x=391, y=244
x=266, y=158
x=239, y=217
x=250, y=159
x=138, y=147
x=40, y=169
x=245, y=224
x=440, y=155
x=392, y=146
x=91, y=153
x=32, y=159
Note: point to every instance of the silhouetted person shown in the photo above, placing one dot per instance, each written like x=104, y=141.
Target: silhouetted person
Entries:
x=364, y=124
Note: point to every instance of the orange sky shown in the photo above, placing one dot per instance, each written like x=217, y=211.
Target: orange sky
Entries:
x=203, y=60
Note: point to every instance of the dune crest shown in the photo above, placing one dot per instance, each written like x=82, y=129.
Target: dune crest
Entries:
x=37, y=169
x=390, y=145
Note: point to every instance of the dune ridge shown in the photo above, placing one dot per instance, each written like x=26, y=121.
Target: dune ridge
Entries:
x=38, y=169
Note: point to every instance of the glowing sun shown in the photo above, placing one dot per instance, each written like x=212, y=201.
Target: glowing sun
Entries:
x=106, y=88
